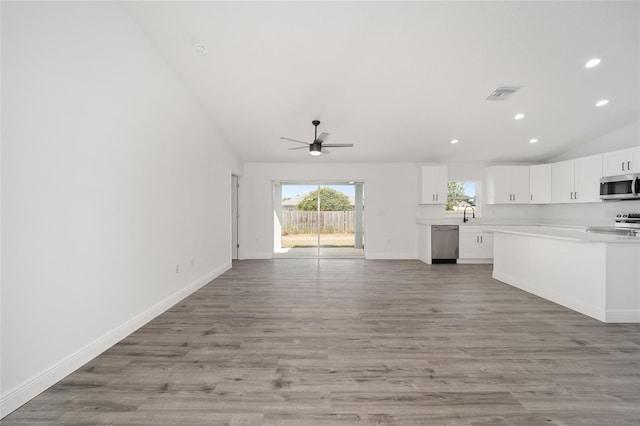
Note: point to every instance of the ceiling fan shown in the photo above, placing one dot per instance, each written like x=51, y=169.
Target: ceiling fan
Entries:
x=317, y=147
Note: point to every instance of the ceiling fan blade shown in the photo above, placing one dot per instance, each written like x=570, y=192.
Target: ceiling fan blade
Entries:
x=323, y=136
x=339, y=145
x=294, y=140
x=325, y=151
x=299, y=147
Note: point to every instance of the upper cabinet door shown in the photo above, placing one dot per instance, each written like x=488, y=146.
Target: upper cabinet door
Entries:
x=498, y=188
x=519, y=176
x=588, y=171
x=562, y=182
x=576, y=181
x=621, y=162
x=432, y=185
x=540, y=184
x=507, y=184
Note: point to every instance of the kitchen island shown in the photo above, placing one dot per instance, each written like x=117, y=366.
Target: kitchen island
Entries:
x=595, y=274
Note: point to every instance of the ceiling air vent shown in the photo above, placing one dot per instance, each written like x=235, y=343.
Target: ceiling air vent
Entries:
x=503, y=93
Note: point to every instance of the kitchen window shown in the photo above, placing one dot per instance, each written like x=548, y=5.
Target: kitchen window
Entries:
x=461, y=194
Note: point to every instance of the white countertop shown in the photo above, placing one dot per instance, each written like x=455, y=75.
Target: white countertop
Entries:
x=476, y=222
x=566, y=235
x=517, y=221
x=534, y=227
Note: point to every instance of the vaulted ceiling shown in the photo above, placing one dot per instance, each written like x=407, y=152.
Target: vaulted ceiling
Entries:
x=401, y=80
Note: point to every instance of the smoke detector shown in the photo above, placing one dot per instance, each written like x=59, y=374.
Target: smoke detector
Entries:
x=503, y=93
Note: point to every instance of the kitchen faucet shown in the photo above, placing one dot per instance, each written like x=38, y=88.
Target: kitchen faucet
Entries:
x=464, y=214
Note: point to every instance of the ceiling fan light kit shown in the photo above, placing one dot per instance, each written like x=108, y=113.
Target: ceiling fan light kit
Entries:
x=316, y=147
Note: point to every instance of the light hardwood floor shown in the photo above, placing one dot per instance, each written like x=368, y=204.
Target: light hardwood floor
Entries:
x=352, y=341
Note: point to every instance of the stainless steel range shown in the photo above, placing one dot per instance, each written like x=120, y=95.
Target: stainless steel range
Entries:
x=626, y=224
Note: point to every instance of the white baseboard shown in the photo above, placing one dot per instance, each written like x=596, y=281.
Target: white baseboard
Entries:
x=14, y=398
x=258, y=256
x=391, y=256
x=623, y=316
x=379, y=256
x=475, y=261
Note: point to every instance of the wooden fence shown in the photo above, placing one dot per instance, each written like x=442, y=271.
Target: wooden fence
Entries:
x=305, y=222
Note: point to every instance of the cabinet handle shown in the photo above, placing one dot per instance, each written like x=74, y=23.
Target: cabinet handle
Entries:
x=480, y=238
x=531, y=197
x=628, y=165
x=571, y=195
x=575, y=195
x=436, y=197
x=623, y=166
x=514, y=197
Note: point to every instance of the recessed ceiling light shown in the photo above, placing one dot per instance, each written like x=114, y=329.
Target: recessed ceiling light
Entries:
x=534, y=140
x=519, y=116
x=455, y=141
x=592, y=62
x=200, y=49
x=602, y=102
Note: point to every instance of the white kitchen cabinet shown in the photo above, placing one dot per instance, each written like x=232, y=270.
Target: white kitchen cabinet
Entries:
x=432, y=185
x=562, y=182
x=540, y=184
x=507, y=184
x=621, y=162
x=588, y=174
x=475, y=244
x=424, y=243
x=576, y=181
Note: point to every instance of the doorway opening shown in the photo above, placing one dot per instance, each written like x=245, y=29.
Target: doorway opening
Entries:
x=235, y=245
x=318, y=219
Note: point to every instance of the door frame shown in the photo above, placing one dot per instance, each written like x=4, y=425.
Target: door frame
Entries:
x=235, y=216
x=318, y=183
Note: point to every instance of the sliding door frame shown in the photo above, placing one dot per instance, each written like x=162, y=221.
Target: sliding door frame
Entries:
x=318, y=183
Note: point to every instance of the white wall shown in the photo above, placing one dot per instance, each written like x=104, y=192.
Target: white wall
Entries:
x=602, y=213
x=390, y=204
x=625, y=137
x=111, y=176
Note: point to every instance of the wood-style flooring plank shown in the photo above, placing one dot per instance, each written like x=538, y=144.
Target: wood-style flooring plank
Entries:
x=356, y=342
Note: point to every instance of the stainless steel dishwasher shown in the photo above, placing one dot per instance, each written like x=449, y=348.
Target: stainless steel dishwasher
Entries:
x=444, y=243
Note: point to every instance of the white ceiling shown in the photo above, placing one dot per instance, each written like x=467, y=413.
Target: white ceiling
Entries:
x=400, y=80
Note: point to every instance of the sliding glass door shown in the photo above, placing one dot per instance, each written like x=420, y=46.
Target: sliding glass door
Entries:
x=318, y=219
x=298, y=227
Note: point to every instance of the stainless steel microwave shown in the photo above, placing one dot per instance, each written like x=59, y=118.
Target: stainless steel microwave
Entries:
x=623, y=187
